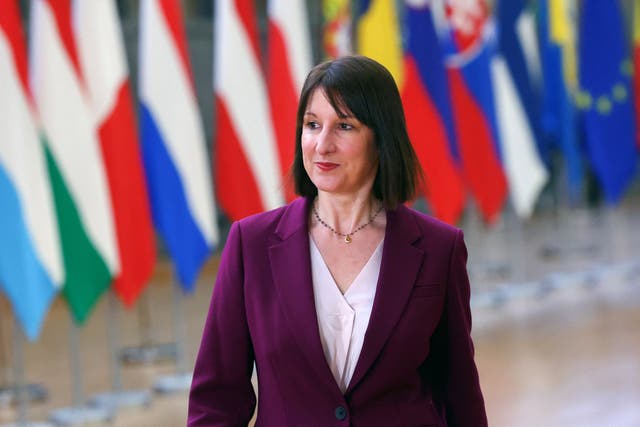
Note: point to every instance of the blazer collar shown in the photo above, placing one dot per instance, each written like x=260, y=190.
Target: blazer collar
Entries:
x=291, y=270
x=401, y=262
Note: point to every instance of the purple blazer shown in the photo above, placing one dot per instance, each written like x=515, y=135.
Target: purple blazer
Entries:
x=416, y=366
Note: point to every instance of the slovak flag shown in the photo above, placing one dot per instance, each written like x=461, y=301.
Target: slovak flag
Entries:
x=427, y=105
x=467, y=58
x=173, y=142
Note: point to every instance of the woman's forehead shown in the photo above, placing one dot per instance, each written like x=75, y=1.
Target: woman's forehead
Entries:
x=334, y=98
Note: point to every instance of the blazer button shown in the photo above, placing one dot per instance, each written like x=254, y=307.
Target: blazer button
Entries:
x=341, y=413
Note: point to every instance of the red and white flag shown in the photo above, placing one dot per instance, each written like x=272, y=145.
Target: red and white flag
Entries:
x=289, y=62
x=104, y=67
x=247, y=169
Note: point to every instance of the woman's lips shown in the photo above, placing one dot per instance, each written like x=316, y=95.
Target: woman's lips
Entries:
x=326, y=166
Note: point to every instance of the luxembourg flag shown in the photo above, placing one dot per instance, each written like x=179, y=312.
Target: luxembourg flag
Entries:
x=74, y=159
x=31, y=270
x=289, y=62
x=102, y=57
x=173, y=142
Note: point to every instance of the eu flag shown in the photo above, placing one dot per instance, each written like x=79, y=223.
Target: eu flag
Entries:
x=605, y=96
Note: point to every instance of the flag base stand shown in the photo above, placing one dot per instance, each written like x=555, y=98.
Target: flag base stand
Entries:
x=33, y=393
x=171, y=384
x=80, y=415
x=149, y=354
x=122, y=399
x=28, y=424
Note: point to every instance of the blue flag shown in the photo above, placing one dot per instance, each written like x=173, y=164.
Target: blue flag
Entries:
x=509, y=14
x=559, y=128
x=605, y=97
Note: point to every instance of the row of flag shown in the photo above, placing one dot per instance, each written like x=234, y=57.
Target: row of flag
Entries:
x=490, y=97
x=81, y=186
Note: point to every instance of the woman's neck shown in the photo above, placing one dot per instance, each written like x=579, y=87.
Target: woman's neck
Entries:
x=346, y=213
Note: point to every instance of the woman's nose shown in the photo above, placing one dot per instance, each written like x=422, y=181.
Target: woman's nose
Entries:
x=325, y=143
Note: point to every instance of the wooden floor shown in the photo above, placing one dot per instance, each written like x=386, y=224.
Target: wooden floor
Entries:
x=570, y=359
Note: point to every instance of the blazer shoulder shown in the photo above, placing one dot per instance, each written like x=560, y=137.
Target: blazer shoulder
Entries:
x=260, y=223
x=430, y=226
x=267, y=223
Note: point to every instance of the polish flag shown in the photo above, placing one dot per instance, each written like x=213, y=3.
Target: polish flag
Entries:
x=102, y=58
x=247, y=167
x=289, y=62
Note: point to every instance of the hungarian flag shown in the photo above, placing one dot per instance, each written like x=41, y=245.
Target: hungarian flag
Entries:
x=468, y=58
x=74, y=158
x=336, y=34
x=102, y=58
x=427, y=105
x=247, y=166
x=289, y=62
x=173, y=142
x=31, y=269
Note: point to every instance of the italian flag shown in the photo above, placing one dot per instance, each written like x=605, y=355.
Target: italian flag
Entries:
x=74, y=159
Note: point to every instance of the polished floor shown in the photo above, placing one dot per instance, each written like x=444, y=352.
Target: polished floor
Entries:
x=565, y=356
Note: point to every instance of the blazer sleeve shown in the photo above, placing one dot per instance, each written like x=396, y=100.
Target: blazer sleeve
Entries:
x=451, y=366
x=221, y=391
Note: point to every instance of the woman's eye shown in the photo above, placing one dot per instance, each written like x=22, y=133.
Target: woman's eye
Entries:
x=345, y=126
x=312, y=125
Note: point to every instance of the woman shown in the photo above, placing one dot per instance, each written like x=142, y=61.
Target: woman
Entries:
x=354, y=308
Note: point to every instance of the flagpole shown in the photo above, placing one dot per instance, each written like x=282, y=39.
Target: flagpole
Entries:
x=181, y=380
x=117, y=398
x=21, y=388
x=9, y=385
x=149, y=351
x=18, y=374
x=80, y=413
x=6, y=391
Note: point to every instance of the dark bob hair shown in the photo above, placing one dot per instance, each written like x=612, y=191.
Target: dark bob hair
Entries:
x=364, y=88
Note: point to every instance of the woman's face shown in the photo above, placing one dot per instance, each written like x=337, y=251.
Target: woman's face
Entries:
x=339, y=153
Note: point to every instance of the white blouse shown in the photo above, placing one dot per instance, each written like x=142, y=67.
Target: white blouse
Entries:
x=343, y=318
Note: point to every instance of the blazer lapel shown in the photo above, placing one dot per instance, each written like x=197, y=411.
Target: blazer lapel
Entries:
x=291, y=271
x=401, y=262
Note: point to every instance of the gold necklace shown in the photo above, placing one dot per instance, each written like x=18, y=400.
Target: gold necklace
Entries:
x=347, y=237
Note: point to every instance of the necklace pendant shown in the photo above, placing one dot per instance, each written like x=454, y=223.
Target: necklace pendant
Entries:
x=347, y=238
